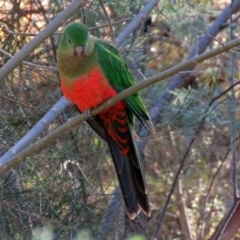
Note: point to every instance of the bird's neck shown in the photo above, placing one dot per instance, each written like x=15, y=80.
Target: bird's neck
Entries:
x=72, y=67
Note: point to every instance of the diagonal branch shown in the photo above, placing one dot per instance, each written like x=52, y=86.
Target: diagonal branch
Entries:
x=39, y=38
x=108, y=20
x=62, y=103
x=39, y=127
x=179, y=80
x=8, y=163
x=134, y=24
x=175, y=180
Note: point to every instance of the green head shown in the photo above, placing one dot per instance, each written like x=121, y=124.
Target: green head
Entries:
x=76, y=41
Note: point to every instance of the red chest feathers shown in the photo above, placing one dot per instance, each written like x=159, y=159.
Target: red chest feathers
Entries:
x=89, y=90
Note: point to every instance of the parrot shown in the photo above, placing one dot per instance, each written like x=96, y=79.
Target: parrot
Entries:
x=92, y=71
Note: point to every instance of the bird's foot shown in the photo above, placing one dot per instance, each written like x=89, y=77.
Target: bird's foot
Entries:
x=89, y=114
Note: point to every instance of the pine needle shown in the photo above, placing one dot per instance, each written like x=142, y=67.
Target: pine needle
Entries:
x=152, y=128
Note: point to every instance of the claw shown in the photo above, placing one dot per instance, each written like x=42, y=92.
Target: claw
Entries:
x=88, y=112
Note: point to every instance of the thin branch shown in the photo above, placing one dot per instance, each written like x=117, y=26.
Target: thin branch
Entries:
x=175, y=180
x=38, y=39
x=184, y=220
x=208, y=195
x=233, y=20
x=6, y=163
x=30, y=138
x=220, y=42
x=29, y=63
x=19, y=102
x=112, y=23
x=60, y=33
x=35, y=216
x=231, y=227
x=179, y=80
x=42, y=10
x=233, y=116
x=158, y=228
x=119, y=40
x=108, y=20
x=138, y=19
x=224, y=92
x=35, y=131
x=235, y=203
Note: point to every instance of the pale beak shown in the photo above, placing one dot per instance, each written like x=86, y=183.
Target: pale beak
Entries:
x=79, y=50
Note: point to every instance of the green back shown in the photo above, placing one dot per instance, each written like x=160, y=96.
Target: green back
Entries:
x=116, y=70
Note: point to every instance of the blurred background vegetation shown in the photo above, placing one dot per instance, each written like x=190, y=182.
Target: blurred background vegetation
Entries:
x=69, y=184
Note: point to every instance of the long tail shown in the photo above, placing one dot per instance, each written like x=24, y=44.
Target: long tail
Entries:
x=130, y=178
x=127, y=164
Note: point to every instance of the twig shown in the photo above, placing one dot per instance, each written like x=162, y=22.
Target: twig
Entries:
x=34, y=132
x=175, y=180
x=158, y=228
x=224, y=92
x=33, y=215
x=88, y=4
x=208, y=195
x=19, y=102
x=178, y=191
x=179, y=80
x=112, y=23
x=74, y=162
x=120, y=39
x=233, y=20
x=108, y=20
x=6, y=163
x=30, y=138
x=233, y=143
x=136, y=21
x=233, y=117
x=220, y=42
x=60, y=33
x=38, y=39
x=41, y=8
x=214, y=175
x=29, y=63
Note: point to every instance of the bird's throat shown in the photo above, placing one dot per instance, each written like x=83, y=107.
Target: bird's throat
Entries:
x=71, y=67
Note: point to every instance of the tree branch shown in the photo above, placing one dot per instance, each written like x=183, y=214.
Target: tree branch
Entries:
x=233, y=116
x=38, y=39
x=6, y=164
x=108, y=20
x=39, y=127
x=179, y=80
x=175, y=180
x=136, y=21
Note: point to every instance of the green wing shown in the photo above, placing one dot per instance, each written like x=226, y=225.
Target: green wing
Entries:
x=116, y=70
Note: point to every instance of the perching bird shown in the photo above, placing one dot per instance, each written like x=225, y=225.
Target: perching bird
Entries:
x=91, y=72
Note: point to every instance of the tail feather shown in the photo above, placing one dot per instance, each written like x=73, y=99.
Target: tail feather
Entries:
x=118, y=132
x=138, y=178
x=130, y=178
